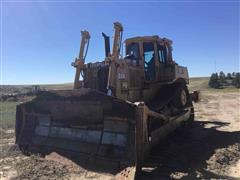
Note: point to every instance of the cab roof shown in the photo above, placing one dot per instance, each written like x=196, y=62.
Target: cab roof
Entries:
x=148, y=39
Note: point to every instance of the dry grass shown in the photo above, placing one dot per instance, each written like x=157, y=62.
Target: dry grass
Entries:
x=201, y=83
x=64, y=86
x=7, y=114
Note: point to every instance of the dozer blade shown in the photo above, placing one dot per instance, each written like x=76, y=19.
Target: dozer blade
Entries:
x=99, y=129
x=84, y=121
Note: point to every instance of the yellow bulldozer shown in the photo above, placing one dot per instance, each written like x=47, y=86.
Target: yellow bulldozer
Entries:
x=118, y=109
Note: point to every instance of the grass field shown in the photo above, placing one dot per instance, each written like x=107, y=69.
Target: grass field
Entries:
x=64, y=86
x=201, y=83
x=7, y=114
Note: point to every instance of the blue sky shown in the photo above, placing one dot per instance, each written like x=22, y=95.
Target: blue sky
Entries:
x=40, y=39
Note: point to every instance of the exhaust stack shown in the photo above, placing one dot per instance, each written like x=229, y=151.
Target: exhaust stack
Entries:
x=106, y=44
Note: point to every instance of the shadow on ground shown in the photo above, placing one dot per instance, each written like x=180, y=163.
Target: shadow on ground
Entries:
x=187, y=151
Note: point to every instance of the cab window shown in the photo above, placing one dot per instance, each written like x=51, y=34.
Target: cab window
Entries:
x=133, y=52
x=162, y=53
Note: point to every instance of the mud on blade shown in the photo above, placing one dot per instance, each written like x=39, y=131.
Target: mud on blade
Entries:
x=83, y=121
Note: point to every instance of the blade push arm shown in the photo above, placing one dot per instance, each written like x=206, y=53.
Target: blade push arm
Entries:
x=112, y=74
x=117, y=40
x=79, y=62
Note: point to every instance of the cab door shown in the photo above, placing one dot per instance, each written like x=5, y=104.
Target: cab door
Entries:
x=165, y=65
x=149, y=56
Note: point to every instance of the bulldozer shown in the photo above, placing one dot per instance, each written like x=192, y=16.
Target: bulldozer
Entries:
x=119, y=108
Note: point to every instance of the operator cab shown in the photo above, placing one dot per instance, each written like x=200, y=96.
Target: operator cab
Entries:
x=153, y=54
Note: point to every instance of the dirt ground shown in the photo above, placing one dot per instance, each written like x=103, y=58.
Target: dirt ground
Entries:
x=210, y=148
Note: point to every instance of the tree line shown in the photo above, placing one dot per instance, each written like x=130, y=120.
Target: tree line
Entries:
x=221, y=80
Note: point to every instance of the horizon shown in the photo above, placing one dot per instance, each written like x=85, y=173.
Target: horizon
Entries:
x=68, y=83
x=39, y=40
x=193, y=77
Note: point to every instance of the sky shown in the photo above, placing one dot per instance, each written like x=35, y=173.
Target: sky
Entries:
x=40, y=39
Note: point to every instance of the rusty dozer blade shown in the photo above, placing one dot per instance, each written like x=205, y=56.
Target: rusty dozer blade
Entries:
x=83, y=121
x=99, y=129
